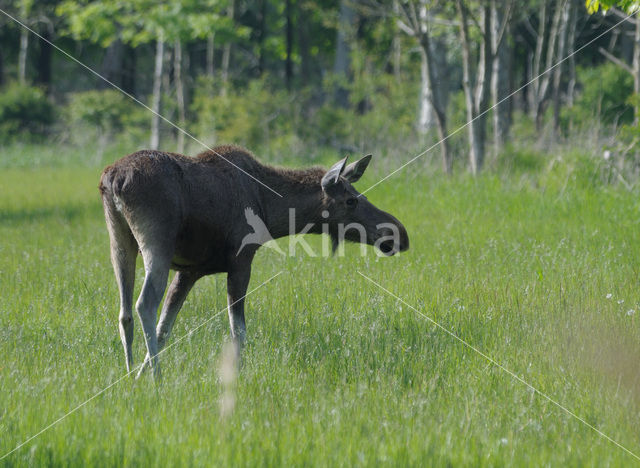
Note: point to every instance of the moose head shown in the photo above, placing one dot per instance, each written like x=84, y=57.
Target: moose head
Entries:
x=352, y=217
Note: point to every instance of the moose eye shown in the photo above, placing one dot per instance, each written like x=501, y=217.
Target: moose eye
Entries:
x=352, y=202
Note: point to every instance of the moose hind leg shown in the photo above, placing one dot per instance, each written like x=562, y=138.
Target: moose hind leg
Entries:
x=156, y=273
x=178, y=290
x=177, y=294
x=125, y=274
x=124, y=251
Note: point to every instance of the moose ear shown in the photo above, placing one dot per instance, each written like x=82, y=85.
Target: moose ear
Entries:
x=354, y=171
x=332, y=176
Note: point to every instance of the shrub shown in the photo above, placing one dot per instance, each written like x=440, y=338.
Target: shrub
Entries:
x=102, y=114
x=518, y=160
x=25, y=112
x=604, y=95
x=275, y=121
x=252, y=117
x=107, y=111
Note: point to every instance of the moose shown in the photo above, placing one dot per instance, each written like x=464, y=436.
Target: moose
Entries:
x=187, y=214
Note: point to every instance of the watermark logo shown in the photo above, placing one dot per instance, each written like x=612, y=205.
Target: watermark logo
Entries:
x=260, y=234
x=385, y=237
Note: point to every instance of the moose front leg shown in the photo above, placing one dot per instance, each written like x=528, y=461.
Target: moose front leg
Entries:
x=237, y=282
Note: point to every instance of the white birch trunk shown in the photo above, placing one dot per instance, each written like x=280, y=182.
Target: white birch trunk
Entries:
x=210, y=54
x=636, y=67
x=342, y=60
x=177, y=78
x=226, y=56
x=22, y=56
x=396, y=45
x=557, y=72
x=499, y=77
x=154, y=141
x=425, y=116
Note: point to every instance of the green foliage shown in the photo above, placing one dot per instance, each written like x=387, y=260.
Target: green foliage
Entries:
x=377, y=117
x=104, y=113
x=624, y=151
x=630, y=6
x=515, y=160
x=107, y=110
x=25, y=112
x=262, y=117
x=253, y=117
x=524, y=127
x=574, y=170
x=142, y=21
x=604, y=95
x=556, y=171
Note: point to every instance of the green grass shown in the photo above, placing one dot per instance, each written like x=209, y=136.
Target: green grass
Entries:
x=336, y=371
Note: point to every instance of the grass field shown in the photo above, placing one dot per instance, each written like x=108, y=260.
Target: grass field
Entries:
x=542, y=278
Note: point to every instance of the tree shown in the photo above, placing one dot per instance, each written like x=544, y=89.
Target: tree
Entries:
x=342, y=61
x=142, y=21
x=288, y=68
x=414, y=21
x=25, y=10
x=501, y=70
x=550, y=48
x=226, y=51
x=304, y=47
x=36, y=15
x=567, y=16
x=1, y=68
x=630, y=7
x=476, y=82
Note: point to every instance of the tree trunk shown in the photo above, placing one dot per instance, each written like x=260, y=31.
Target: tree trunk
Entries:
x=540, y=87
x=226, y=55
x=167, y=74
x=467, y=84
x=636, y=68
x=557, y=71
x=425, y=115
x=45, y=54
x=112, y=64
x=177, y=79
x=500, y=78
x=22, y=55
x=476, y=94
x=210, y=54
x=427, y=95
x=483, y=83
x=1, y=68
x=226, y=59
x=433, y=90
x=477, y=139
x=129, y=70
x=157, y=88
x=342, y=59
x=304, y=48
x=396, y=51
x=431, y=98
x=571, y=47
x=288, y=68
x=535, y=61
x=262, y=35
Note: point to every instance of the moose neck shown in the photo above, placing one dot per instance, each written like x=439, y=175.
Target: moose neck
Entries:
x=301, y=204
